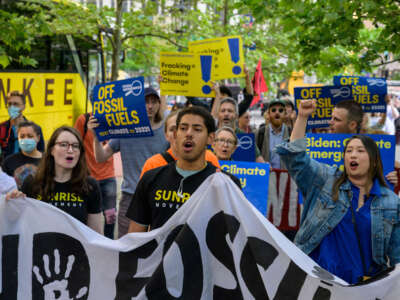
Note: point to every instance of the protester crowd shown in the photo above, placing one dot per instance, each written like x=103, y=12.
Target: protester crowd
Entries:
x=75, y=171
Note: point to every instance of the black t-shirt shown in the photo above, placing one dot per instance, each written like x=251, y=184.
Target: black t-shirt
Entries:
x=76, y=205
x=20, y=166
x=156, y=197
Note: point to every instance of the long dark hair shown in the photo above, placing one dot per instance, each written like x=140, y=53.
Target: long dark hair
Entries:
x=43, y=182
x=375, y=164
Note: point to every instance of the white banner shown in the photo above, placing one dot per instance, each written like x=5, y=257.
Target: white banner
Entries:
x=217, y=246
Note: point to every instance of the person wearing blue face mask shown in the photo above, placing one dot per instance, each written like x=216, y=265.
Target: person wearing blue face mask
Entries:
x=8, y=129
x=24, y=163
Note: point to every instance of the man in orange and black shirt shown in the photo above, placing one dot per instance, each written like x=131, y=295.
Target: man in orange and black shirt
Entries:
x=163, y=190
x=162, y=159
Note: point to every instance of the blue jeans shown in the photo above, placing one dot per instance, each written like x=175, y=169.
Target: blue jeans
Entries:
x=108, y=189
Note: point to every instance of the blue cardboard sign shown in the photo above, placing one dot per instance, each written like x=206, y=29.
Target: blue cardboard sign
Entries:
x=246, y=150
x=367, y=91
x=328, y=148
x=327, y=97
x=120, y=109
x=254, y=178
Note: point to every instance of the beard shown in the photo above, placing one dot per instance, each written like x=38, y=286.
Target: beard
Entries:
x=276, y=122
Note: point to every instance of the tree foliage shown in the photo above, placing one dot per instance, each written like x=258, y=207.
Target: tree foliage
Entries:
x=322, y=37
x=334, y=35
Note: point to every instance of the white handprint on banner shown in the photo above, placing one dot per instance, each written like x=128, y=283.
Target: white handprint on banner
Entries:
x=55, y=289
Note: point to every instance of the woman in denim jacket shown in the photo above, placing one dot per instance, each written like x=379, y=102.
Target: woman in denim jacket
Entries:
x=350, y=222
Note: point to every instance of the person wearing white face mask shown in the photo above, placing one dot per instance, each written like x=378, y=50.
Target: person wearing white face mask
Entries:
x=24, y=163
x=8, y=129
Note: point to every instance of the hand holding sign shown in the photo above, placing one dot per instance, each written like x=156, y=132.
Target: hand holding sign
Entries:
x=92, y=123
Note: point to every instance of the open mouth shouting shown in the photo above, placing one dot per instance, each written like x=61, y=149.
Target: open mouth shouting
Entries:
x=226, y=121
x=188, y=146
x=353, y=165
x=69, y=159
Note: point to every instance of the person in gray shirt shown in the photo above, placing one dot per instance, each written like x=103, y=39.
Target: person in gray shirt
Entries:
x=134, y=153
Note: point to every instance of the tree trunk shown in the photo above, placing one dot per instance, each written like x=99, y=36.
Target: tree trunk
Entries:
x=116, y=55
x=226, y=21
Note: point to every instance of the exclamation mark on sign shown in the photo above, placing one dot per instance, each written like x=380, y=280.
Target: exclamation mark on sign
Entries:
x=235, y=57
x=206, y=61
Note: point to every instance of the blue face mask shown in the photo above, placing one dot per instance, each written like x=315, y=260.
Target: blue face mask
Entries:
x=13, y=112
x=27, y=145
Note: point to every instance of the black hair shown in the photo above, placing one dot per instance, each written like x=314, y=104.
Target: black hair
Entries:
x=375, y=164
x=223, y=89
x=34, y=126
x=198, y=111
x=194, y=101
x=282, y=93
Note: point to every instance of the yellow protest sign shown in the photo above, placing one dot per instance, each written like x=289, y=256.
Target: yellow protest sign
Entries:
x=228, y=55
x=186, y=74
x=52, y=99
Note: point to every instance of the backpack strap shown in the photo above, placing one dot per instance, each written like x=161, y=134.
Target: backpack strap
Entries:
x=260, y=137
x=168, y=157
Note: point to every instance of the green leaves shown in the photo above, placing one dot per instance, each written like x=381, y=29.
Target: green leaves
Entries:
x=321, y=37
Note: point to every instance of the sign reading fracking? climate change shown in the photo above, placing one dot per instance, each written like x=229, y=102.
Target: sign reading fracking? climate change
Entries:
x=186, y=74
x=228, y=57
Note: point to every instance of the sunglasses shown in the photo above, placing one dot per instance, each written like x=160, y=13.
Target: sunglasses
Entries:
x=277, y=109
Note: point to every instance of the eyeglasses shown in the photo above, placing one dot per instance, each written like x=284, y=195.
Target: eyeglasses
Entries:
x=223, y=141
x=65, y=146
x=277, y=109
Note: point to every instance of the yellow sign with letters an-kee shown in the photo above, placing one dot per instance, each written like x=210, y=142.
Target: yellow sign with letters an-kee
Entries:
x=52, y=99
x=185, y=74
x=228, y=55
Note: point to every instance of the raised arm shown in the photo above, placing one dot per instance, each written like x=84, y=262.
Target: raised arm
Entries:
x=306, y=108
x=217, y=100
x=310, y=175
x=101, y=153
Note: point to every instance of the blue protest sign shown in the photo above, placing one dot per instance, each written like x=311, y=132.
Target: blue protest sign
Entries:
x=369, y=92
x=246, y=150
x=120, y=109
x=254, y=178
x=328, y=148
x=327, y=97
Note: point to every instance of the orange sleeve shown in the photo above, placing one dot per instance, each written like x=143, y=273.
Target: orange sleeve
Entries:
x=80, y=123
x=153, y=162
x=212, y=158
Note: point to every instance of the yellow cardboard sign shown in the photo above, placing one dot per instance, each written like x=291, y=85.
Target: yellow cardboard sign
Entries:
x=52, y=99
x=186, y=74
x=228, y=55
